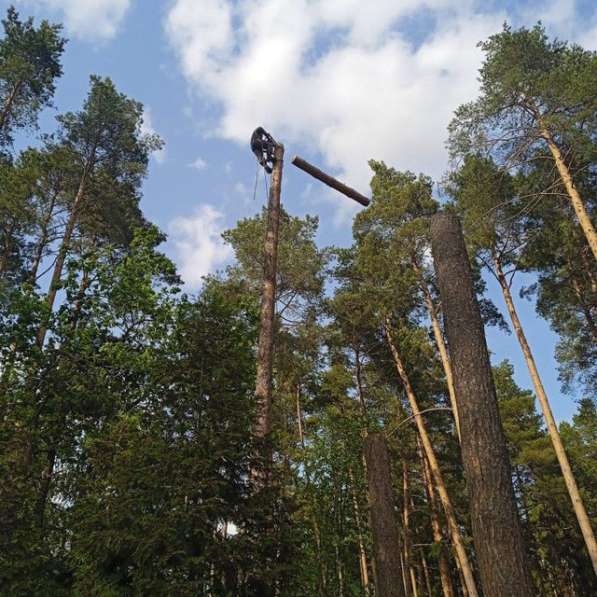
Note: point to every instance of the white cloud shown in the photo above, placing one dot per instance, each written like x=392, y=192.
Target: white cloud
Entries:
x=86, y=19
x=198, y=164
x=339, y=77
x=198, y=245
x=147, y=129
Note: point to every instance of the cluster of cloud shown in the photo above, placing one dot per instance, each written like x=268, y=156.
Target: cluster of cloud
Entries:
x=198, y=245
x=94, y=20
x=347, y=79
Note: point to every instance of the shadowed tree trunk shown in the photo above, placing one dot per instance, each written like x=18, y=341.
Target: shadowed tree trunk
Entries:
x=496, y=528
x=265, y=346
x=384, y=523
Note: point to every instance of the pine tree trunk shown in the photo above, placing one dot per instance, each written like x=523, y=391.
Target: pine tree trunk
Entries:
x=384, y=524
x=441, y=344
x=455, y=535
x=265, y=347
x=496, y=529
x=64, y=248
x=42, y=243
x=363, y=566
x=552, y=428
x=406, y=529
x=426, y=575
x=7, y=108
x=577, y=203
x=444, y=567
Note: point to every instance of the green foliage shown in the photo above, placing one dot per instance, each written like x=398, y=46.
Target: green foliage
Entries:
x=30, y=64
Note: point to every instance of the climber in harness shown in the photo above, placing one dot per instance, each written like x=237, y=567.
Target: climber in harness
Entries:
x=263, y=146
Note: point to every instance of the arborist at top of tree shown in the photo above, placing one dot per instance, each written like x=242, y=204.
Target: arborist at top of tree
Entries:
x=263, y=146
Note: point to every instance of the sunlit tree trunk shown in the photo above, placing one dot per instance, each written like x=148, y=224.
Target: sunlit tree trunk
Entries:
x=363, y=566
x=408, y=556
x=453, y=526
x=440, y=342
x=579, y=208
x=444, y=567
x=552, y=428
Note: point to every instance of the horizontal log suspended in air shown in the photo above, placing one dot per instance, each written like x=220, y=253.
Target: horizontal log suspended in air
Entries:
x=329, y=180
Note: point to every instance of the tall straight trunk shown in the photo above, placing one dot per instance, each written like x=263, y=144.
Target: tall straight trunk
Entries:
x=552, y=428
x=454, y=529
x=316, y=530
x=384, y=524
x=8, y=104
x=579, y=208
x=265, y=347
x=426, y=575
x=363, y=566
x=444, y=567
x=496, y=529
x=64, y=247
x=404, y=574
x=408, y=556
x=440, y=342
x=43, y=241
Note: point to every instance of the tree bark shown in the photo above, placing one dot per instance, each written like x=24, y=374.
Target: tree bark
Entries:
x=441, y=344
x=265, y=348
x=579, y=208
x=496, y=529
x=363, y=566
x=577, y=501
x=444, y=567
x=455, y=535
x=384, y=524
x=7, y=108
x=408, y=556
x=42, y=243
x=64, y=247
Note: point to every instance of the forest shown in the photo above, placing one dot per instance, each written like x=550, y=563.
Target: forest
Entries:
x=374, y=458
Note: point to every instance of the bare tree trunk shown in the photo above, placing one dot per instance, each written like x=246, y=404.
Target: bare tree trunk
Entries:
x=496, y=529
x=426, y=575
x=384, y=524
x=7, y=108
x=455, y=535
x=444, y=567
x=577, y=203
x=440, y=342
x=43, y=241
x=552, y=428
x=363, y=566
x=64, y=248
x=408, y=556
x=265, y=348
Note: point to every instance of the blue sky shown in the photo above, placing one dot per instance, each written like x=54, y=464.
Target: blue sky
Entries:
x=337, y=81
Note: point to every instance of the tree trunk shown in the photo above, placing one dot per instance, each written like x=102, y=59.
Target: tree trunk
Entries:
x=441, y=344
x=577, y=203
x=444, y=567
x=43, y=241
x=265, y=348
x=384, y=524
x=552, y=428
x=408, y=556
x=426, y=575
x=455, y=535
x=64, y=248
x=363, y=566
x=7, y=108
x=496, y=529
